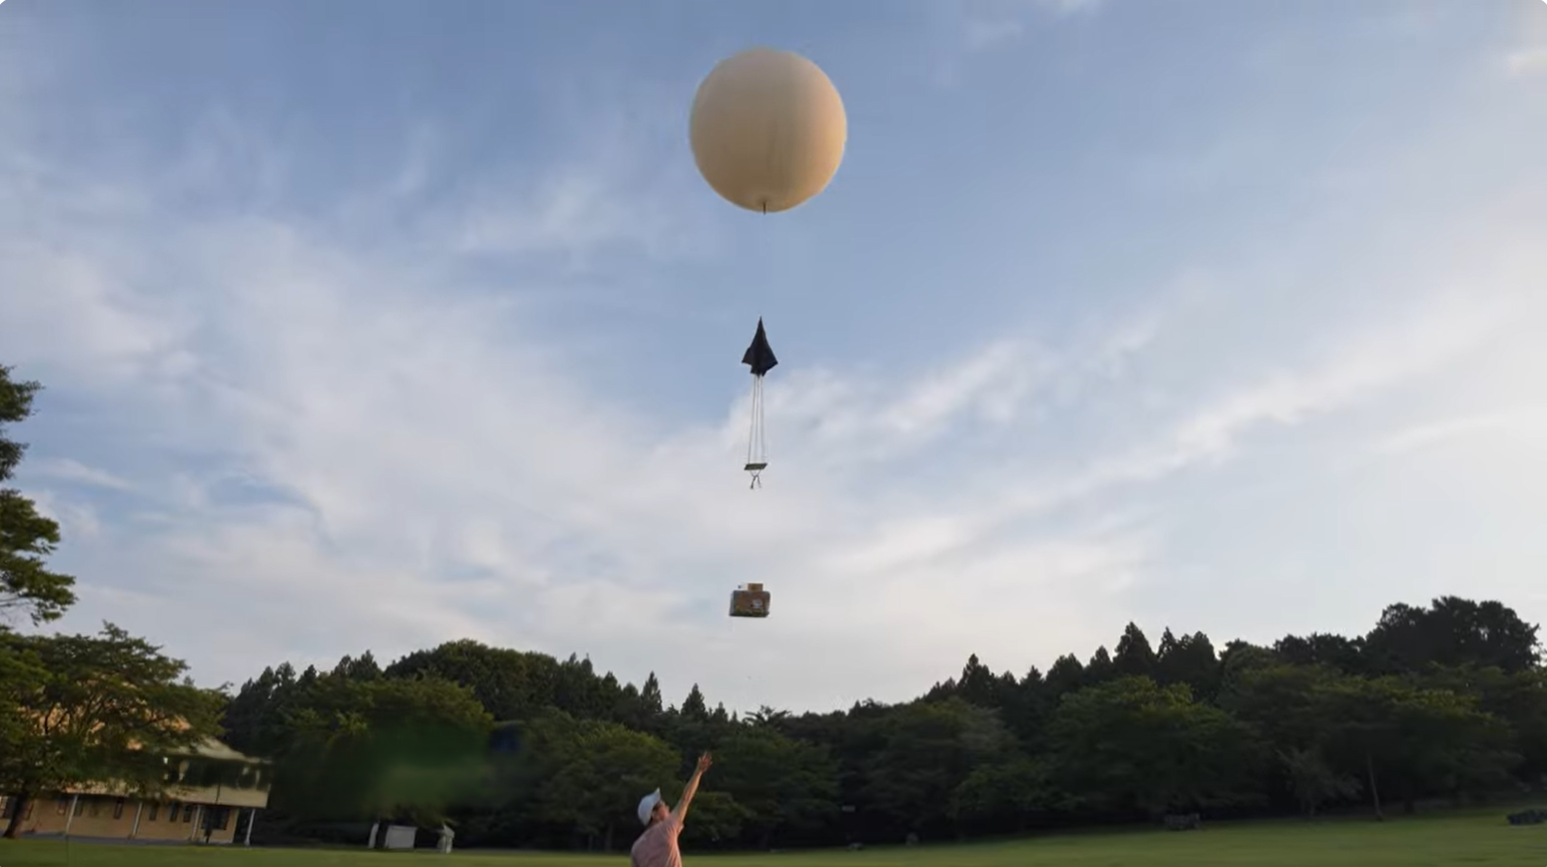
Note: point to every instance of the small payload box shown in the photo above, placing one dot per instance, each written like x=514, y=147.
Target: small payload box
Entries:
x=749, y=601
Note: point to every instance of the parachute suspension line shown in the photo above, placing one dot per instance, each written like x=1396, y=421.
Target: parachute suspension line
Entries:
x=757, y=449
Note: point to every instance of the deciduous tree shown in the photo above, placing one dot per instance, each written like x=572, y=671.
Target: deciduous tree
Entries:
x=104, y=708
x=27, y=538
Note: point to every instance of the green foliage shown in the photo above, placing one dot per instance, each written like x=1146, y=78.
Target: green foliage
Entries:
x=929, y=750
x=1239, y=659
x=26, y=537
x=1066, y=675
x=1010, y=793
x=22, y=678
x=92, y=708
x=513, y=684
x=1313, y=780
x=1134, y=656
x=1335, y=651
x=1100, y=668
x=717, y=819
x=1451, y=632
x=1287, y=704
x=588, y=775
x=1190, y=660
x=15, y=406
x=694, y=707
x=394, y=748
x=1298, y=726
x=1417, y=737
x=1132, y=744
x=781, y=782
x=1520, y=700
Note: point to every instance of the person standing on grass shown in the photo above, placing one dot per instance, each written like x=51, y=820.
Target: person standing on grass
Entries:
x=657, y=846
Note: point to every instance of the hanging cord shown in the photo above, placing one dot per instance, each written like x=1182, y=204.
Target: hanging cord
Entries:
x=762, y=427
x=757, y=450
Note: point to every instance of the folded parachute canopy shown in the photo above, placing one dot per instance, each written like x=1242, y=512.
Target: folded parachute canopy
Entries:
x=760, y=356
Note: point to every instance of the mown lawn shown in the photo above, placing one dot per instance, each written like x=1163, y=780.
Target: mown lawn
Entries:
x=1469, y=838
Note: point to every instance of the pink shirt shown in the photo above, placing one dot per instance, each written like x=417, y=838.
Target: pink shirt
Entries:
x=657, y=846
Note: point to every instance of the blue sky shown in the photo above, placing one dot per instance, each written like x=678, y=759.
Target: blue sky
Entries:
x=373, y=325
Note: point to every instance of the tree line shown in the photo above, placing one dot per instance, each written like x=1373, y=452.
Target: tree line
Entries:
x=1447, y=702
x=519, y=749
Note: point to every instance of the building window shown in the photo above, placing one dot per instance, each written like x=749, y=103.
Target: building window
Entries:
x=187, y=812
x=118, y=808
x=61, y=805
x=221, y=819
x=155, y=807
x=80, y=805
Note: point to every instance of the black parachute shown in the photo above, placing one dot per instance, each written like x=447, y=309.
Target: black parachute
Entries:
x=760, y=358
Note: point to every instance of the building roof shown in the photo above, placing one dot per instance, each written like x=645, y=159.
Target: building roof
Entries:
x=210, y=748
x=254, y=793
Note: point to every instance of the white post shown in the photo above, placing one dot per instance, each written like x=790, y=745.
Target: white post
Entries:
x=251, y=817
x=139, y=806
x=198, y=814
x=70, y=816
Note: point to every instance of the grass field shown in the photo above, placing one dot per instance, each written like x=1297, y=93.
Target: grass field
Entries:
x=1449, y=839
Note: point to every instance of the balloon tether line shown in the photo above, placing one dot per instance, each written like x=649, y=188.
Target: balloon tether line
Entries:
x=759, y=440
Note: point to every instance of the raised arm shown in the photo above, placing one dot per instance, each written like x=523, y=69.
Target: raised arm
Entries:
x=680, y=812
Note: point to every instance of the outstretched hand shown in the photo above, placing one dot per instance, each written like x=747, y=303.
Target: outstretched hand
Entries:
x=691, y=789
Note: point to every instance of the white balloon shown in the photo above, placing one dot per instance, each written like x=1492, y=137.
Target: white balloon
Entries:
x=768, y=129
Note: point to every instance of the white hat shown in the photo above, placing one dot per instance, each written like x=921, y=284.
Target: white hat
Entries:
x=647, y=804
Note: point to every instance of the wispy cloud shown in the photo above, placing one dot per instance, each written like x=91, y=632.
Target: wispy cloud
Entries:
x=68, y=470
x=1069, y=7
x=1528, y=55
x=981, y=33
x=987, y=23
x=1526, y=60
x=1524, y=424
x=973, y=27
x=1425, y=341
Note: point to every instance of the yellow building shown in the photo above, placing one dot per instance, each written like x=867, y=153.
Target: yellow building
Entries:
x=189, y=808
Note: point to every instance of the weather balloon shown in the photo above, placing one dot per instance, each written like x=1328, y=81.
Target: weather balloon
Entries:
x=767, y=129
